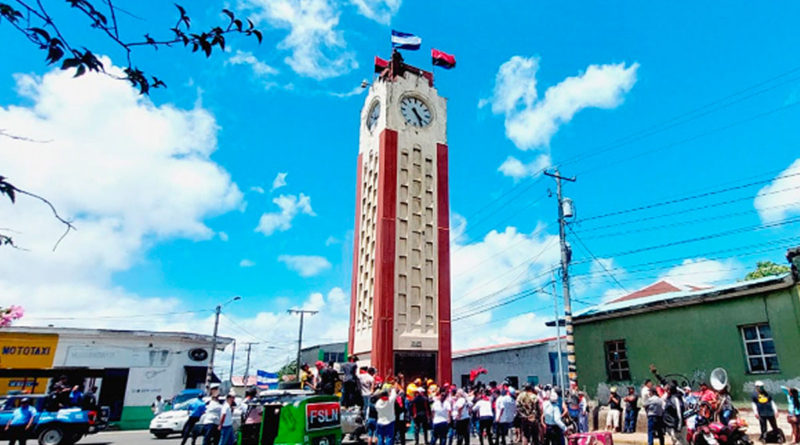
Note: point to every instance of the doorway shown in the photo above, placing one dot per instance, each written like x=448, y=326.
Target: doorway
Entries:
x=415, y=364
x=112, y=391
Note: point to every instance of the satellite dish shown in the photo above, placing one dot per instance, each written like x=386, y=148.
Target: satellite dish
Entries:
x=719, y=379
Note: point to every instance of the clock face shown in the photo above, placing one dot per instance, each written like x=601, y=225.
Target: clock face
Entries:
x=415, y=111
x=372, y=117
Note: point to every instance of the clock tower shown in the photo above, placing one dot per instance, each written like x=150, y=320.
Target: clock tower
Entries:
x=400, y=302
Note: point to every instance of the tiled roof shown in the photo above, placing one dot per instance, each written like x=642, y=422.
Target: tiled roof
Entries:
x=659, y=287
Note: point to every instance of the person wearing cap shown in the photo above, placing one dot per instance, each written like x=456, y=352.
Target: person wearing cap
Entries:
x=420, y=415
x=614, y=407
x=20, y=424
x=225, y=425
x=211, y=418
x=764, y=408
x=554, y=426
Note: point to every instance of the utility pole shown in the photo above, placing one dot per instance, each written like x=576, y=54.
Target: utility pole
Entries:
x=566, y=255
x=558, y=335
x=247, y=367
x=302, y=313
x=233, y=357
x=210, y=369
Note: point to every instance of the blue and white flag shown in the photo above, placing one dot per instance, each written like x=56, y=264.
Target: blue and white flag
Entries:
x=404, y=40
x=266, y=379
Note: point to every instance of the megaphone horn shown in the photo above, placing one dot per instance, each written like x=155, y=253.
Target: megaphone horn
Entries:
x=719, y=379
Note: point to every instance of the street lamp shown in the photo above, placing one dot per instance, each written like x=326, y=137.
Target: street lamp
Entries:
x=217, y=311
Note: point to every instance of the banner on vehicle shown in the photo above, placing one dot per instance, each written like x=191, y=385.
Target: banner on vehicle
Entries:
x=322, y=415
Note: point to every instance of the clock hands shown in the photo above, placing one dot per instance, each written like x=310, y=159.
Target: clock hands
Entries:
x=419, y=118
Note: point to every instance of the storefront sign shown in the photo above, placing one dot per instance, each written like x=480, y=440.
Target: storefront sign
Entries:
x=322, y=415
x=26, y=351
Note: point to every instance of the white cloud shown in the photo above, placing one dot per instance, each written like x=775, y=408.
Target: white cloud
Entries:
x=516, y=169
x=699, y=271
x=331, y=241
x=354, y=92
x=777, y=200
x=379, y=10
x=305, y=265
x=281, y=221
x=279, y=181
x=318, y=49
x=129, y=173
x=257, y=189
x=531, y=122
x=223, y=236
x=259, y=68
x=500, y=264
x=246, y=263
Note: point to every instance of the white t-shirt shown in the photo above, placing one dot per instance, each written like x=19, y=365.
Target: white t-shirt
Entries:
x=158, y=406
x=213, y=412
x=461, y=409
x=441, y=411
x=366, y=381
x=484, y=408
x=228, y=413
x=506, y=409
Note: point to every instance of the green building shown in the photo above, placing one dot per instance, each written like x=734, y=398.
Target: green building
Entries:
x=749, y=328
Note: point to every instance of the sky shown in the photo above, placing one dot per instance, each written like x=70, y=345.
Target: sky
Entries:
x=678, y=121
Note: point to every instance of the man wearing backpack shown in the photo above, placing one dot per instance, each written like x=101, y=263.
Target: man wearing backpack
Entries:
x=673, y=414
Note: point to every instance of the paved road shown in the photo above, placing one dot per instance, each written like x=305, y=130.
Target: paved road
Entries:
x=128, y=438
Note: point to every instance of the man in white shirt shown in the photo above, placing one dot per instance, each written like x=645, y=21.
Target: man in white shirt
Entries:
x=385, y=408
x=555, y=427
x=226, y=421
x=367, y=383
x=506, y=409
x=158, y=405
x=211, y=421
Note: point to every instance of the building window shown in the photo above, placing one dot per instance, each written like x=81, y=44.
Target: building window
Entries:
x=533, y=380
x=759, y=348
x=617, y=361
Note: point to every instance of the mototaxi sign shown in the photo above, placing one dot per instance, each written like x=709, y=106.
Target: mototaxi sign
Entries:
x=322, y=415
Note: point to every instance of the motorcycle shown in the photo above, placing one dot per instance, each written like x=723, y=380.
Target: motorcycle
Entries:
x=716, y=433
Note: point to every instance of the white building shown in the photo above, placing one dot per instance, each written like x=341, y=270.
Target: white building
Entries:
x=130, y=368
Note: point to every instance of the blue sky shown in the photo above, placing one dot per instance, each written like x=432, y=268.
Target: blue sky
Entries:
x=644, y=103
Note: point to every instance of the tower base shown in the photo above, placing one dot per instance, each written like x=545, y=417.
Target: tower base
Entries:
x=416, y=364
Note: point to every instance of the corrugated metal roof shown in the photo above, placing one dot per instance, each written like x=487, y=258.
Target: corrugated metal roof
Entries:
x=658, y=301
x=501, y=347
x=222, y=342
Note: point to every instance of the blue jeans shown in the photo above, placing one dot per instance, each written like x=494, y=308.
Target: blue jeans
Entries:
x=440, y=433
x=630, y=421
x=210, y=433
x=386, y=434
x=654, y=429
x=226, y=436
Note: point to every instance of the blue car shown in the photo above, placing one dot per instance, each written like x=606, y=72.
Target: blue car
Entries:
x=63, y=427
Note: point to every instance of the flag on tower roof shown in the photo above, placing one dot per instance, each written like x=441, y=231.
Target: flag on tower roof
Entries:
x=380, y=64
x=267, y=379
x=404, y=40
x=443, y=59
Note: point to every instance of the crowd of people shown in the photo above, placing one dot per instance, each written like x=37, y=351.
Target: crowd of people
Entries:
x=672, y=410
x=213, y=417
x=495, y=414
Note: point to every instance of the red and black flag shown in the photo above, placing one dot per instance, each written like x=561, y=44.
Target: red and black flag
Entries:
x=380, y=64
x=443, y=59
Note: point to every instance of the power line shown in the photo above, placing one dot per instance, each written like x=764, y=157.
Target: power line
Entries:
x=585, y=247
x=686, y=198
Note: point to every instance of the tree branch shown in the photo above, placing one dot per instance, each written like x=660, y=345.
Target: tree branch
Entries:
x=66, y=223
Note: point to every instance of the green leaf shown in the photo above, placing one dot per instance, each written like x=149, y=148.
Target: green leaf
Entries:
x=257, y=33
x=228, y=13
x=80, y=71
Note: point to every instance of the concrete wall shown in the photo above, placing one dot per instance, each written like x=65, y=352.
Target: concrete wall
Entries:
x=693, y=340
x=522, y=362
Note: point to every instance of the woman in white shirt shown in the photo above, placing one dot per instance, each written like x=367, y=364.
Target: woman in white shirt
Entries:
x=483, y=406
x=385, y=408
x=441, y=418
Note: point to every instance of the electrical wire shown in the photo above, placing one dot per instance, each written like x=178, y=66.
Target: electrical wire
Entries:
x=597, y=261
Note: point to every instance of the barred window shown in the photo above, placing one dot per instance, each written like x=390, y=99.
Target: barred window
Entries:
x=617, y=361
x=759, y=348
